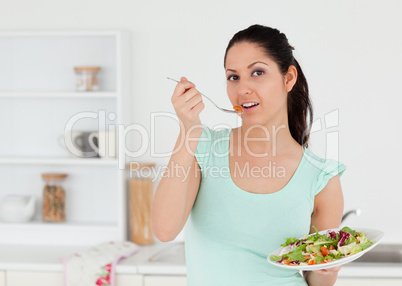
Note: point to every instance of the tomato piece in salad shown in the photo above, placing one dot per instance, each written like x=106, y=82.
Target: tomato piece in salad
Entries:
x=324, y=250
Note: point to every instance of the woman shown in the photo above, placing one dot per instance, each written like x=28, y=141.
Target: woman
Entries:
x=251, y=187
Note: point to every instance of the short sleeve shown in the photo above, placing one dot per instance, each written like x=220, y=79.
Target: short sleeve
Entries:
x=203, y=148
x=330, y=168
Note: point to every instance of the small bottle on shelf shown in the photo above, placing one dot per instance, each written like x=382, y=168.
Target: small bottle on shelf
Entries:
x=54, y=198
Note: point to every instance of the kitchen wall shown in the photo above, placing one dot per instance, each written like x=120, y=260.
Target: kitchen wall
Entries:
x=350, y=52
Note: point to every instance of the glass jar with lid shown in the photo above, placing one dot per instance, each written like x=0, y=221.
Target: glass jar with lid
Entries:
x=140, y=202
x=54, y=198
x=87, y=78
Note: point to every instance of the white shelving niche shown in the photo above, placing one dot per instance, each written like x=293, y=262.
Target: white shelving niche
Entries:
x=37, y=100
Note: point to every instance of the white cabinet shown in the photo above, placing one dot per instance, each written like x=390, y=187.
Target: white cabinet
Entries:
x=129, y=280
x=37, y=101
x=36, y=278
x=369, y=282
x=33, y=278
x=2, y=278
x=165, y=280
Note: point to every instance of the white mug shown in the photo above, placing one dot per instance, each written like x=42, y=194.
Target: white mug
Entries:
x=106, y=143
x=76, y=143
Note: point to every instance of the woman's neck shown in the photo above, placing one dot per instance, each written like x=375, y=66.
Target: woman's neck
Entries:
x=265, y=140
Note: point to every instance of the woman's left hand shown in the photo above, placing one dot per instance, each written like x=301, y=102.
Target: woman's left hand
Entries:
x=328, y=271
x=322, y=277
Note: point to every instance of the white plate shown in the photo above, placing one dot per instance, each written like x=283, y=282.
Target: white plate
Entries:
x=373, y=235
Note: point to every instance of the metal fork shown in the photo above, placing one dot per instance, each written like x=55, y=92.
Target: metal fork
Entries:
x=220, y=108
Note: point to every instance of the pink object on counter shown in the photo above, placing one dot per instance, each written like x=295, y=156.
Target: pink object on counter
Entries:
x=97, y=265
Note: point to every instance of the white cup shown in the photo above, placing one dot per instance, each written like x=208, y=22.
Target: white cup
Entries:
x=106, y=143
x=75, y=142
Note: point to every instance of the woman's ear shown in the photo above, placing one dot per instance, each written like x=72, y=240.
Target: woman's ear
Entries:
x=290, y=78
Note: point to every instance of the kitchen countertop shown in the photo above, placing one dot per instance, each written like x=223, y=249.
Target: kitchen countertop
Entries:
x=48, y=258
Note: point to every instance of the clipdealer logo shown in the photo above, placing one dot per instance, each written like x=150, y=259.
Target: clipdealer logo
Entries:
x=148, y=139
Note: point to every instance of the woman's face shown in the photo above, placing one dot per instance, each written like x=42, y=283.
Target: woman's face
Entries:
x=255, y=82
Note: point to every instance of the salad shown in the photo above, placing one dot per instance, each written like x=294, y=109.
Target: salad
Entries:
x=321, y=248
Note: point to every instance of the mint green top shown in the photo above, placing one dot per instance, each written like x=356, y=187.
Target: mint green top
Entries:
x=231, y=232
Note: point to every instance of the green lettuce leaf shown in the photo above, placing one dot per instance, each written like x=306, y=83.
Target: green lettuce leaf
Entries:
x=314, y=249
x=348, y=229
x=365, y=245
x=355, y=249
x=350, y=240
x=346, y=249
x=363, y=238
x=296, y=255
x=319, y=259
x=289, y=241
x=275, y=257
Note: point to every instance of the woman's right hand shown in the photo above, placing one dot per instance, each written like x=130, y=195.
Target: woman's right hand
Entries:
x=188, y=104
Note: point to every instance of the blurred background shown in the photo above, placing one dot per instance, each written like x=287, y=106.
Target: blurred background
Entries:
x=350, y=52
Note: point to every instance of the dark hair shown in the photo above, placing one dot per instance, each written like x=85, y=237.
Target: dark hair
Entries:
x=277, y=47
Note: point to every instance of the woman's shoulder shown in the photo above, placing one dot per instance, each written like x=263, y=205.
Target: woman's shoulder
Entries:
x=322, y=169
x=321, y=164
x=311, y=156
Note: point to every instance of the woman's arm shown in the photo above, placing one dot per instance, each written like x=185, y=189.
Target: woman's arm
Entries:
x=178, y=188
x=175, y=196
x=327, y=213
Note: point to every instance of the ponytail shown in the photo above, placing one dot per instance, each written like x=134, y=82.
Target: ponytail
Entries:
x=299, y=104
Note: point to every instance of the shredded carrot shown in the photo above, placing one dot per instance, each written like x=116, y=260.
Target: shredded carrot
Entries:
x=311, y=262
x=238, y=109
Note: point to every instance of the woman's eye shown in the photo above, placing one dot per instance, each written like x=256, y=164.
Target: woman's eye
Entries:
x=233, y=77
x=258, y=72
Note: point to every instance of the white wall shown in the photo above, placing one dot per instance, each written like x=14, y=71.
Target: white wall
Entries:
x=350, y=52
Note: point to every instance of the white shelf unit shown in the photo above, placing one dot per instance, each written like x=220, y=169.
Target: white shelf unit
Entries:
x=57, y=94
x=37, y=99
x=58, y=161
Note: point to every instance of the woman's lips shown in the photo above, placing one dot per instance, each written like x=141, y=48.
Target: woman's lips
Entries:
x=249, y=109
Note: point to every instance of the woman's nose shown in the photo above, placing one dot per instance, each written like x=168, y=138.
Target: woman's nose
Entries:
x=244, y=87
